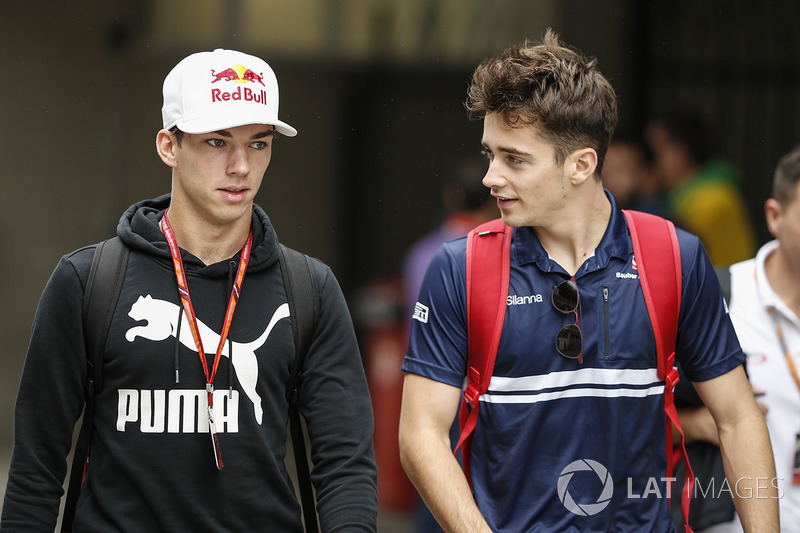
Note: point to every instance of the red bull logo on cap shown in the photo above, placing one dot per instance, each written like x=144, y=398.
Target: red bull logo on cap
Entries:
x=241, y=75
x=237, y=73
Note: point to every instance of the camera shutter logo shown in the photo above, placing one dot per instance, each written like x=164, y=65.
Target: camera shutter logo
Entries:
x=585, y=509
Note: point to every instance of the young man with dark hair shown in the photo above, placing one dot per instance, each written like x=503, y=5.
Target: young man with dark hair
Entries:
x=765, y=310
x=181, y=444
x=567, y=440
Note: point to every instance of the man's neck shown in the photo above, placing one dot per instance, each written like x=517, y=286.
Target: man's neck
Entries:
x=208, y=242
x=784, y=278
x=572, y=240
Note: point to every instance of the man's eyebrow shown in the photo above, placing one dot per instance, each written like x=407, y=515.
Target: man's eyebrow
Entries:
x=507, y=150
x=259, y=135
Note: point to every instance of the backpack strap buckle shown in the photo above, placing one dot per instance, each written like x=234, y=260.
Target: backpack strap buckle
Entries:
x=472, y=392
x=672, y=378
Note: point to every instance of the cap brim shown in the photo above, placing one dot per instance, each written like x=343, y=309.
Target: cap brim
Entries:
x=206, y=125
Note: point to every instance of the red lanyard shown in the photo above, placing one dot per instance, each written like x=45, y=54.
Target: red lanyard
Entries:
x=186, y=301
x=786, y=353
x=779, y=334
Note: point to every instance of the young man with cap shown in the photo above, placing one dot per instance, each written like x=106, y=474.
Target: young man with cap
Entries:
x=203, y=279
x=571, y=435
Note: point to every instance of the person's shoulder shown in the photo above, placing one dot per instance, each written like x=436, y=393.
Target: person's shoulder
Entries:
x=81, y=259
x=746, y=266
x=689, y=242
x=718, y=193
x=319, y=269
x=452, y=252
x=694, y=257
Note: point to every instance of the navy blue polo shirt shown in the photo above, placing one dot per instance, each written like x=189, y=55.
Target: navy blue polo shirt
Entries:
x=562, y=445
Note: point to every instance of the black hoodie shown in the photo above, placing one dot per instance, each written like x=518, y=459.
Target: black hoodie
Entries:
x=152, y=464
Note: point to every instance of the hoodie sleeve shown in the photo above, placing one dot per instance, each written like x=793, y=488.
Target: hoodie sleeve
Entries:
x=335, y=402
x=49, y=402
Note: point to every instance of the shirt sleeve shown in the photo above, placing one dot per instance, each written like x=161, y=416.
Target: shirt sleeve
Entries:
x=706, y=346
x=438, y=339
x=49, y=402
x=335, y=402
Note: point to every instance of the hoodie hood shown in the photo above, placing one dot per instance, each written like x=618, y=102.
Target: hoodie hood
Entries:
x=138, y=228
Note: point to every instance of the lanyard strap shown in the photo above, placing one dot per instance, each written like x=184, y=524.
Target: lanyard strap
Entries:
x=186, y=299
x=784, y=347
x=779, y=333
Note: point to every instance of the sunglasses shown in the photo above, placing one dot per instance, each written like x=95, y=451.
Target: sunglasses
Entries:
x=569, y=341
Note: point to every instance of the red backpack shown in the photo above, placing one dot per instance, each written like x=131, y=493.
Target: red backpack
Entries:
x=657, y=254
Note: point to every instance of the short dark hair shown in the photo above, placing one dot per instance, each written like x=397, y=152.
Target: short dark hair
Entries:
x=787, y=174
x=178, y=134
x=550, y=86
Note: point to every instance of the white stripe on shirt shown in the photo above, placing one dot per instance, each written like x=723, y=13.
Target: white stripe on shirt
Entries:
x=585, y=382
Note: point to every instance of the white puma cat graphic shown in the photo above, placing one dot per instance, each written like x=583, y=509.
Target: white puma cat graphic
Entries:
x=162, y=323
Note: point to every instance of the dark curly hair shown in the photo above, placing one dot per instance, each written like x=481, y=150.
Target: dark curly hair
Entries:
x=552, y=87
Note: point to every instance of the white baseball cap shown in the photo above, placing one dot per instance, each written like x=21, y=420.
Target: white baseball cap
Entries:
x=212, y=91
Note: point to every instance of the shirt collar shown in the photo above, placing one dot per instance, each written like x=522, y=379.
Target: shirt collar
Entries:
x=766, y=295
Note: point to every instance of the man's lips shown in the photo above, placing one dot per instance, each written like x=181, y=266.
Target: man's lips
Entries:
x=503, y=201
x=234, y=193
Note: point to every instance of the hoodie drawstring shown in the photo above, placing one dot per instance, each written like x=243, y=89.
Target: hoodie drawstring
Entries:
x=177, y=345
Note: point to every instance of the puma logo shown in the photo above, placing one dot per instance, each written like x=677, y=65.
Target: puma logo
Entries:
x=162, y=322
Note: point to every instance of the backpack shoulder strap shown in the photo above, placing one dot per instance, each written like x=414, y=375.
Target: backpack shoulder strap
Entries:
x=100, y=298
x=304, y=311
x=488, y=269
x=658, y=258
x=103, y=286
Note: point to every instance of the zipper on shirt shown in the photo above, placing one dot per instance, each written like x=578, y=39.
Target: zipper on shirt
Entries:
x=606, y=333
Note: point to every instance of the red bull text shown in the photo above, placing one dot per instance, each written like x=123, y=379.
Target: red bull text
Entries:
x=246, y=94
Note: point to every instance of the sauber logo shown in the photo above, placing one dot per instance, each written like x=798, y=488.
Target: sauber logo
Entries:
x=628, y=275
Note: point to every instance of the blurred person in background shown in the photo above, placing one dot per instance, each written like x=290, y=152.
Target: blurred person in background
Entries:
x=629, y=176
x=467, y=203
x=703, y=191
x=765, y=310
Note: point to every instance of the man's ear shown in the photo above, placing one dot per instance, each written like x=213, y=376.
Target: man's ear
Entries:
x=773, y=212
x=585, y=164
x=166, y=144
